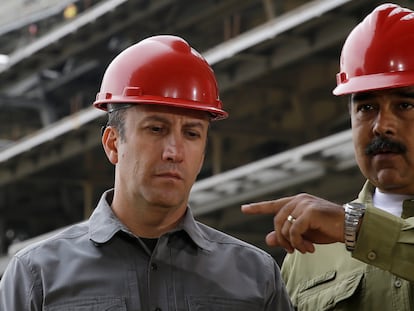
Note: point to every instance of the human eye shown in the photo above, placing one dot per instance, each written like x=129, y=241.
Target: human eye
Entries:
x=365, y=110
x=365, y=107
x=192, y=134
x=193, y=131
x=364, y=102
x=157, y=129
x=406, y=105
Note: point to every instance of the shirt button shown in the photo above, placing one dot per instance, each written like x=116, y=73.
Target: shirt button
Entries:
x=157, y=309
x=154, y=267
x=397, y=283
x=372, y=255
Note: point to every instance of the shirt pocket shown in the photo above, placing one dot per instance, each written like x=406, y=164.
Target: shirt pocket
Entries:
x=221, y=304
x=327, y=292
x=89, y=304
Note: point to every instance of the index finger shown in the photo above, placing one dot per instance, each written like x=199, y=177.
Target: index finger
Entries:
x=265, y=207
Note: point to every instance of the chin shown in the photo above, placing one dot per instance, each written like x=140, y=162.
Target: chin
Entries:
x=393, y=185
x=166, y=201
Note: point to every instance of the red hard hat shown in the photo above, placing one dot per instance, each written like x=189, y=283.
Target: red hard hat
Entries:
x=161, y=70
x=379, y=52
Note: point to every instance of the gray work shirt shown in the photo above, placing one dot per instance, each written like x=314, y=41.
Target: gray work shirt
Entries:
x=99, y=265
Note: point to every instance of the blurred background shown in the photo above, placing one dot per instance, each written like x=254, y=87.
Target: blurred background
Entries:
x=275, y=61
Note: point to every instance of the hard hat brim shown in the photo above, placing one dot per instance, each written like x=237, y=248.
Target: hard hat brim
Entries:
x=374, y=82
x=215, y=113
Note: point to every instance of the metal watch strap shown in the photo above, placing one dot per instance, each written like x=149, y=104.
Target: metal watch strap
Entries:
x=353, y=214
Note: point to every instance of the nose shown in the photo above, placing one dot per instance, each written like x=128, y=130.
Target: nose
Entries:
x=385, y=123
x=173, y=148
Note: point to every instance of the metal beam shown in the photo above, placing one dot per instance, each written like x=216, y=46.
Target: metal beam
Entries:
x=49, y=133
x=276, y=26
x=55, y=35
x=34, y=17
x=275, y=173
x=271, y=29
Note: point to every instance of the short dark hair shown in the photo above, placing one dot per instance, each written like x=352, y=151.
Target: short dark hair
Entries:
x=116, y=118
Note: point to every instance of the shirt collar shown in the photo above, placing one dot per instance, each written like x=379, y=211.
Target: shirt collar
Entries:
x=366, y=195
x=103, y=224
x=194, y=231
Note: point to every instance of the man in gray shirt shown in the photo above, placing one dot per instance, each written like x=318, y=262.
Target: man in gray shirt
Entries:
x=142, y=249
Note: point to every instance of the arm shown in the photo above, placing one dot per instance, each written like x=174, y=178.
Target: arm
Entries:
x=315, y=221
x=384, y=241
x=387, y=242
x=18, y=289
x=278, y=298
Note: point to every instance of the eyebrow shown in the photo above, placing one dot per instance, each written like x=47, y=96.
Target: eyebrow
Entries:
x=191, y=123
x=370, y=95
x=361, y=96
x=406, y=93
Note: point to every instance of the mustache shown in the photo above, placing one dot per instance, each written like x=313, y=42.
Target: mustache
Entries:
x=383, y=145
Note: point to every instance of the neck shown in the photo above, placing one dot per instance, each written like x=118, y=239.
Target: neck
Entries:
x=145, y=220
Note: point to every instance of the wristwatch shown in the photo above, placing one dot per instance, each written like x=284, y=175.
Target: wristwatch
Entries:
x=353, y=214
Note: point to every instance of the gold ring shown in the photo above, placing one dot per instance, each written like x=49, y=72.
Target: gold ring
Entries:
x=291, y=219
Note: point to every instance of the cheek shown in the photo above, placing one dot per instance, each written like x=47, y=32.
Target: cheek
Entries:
x=360, y=143
x=361, y=136
x=200, y=162
x=359, y=147
x=128, y=157
x=123, y=154
x=124, y=163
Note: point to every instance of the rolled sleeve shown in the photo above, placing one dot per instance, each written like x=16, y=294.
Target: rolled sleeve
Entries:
x=387, y=242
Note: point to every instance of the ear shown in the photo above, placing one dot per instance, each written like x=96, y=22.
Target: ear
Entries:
x=110, y=144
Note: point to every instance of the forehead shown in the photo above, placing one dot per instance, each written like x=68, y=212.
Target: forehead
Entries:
x=394, y=92
x=169, y=111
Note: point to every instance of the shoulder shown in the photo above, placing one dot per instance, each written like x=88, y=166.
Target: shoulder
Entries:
x=22, y=282
x=44, y=252
x=233, y=245
x=40, y=246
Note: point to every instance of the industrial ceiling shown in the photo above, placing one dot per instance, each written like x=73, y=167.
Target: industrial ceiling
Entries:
x=275, y=61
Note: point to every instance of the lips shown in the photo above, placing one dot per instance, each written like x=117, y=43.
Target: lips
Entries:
x=170, y=174
x=385, y=151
